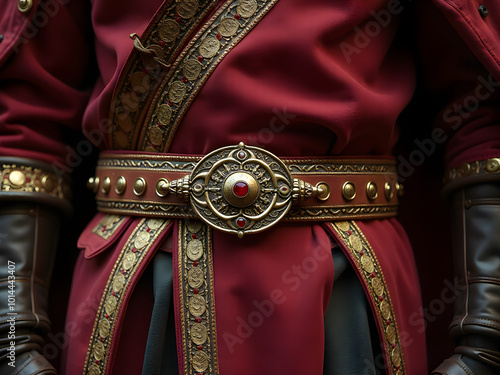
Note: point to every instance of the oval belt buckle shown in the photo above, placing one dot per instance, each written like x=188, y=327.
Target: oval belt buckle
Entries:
x=243, y=189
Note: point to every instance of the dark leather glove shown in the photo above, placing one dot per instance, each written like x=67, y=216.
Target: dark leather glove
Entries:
x=476, y=251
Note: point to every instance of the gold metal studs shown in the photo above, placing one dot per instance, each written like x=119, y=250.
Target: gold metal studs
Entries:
x=400, y=189
x=17, y=178
x=322, y=190
x=465, y=170
x=162, y=187
x=121, y=185
x=371, y=190
x=493, y=165
x=106, y=185
x=49, y=183
x=389, y=192
x=24, y=6
x=93, y=184
x=139, y=186
x=349, y=190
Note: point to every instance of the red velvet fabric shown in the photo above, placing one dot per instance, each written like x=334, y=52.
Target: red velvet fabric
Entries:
x=313, y=78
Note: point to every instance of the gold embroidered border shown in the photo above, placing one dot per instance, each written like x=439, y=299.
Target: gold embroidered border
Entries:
x=24, y=178
x=108, y=225
x=196, y=295
x=369, y=268
x=229, y=25
x=129, y=261
x=164, y=39
x=477, y=168
x=178, y=211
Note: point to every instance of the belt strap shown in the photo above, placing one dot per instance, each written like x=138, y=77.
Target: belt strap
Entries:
x=245, y=189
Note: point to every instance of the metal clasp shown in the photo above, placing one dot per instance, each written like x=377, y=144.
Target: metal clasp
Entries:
x=242, y=189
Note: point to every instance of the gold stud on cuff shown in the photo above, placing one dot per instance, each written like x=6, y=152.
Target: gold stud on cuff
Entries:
x=121, y=185
x=17, y=178
x=106, y=185
x=24, y=6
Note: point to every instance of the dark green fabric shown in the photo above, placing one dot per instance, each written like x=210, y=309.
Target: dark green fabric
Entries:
x=161, y=357
x=351, y=339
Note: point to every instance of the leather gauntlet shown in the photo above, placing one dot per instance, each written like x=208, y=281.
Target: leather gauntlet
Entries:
x=28, y=235
x=475, y=327
x=31, y=200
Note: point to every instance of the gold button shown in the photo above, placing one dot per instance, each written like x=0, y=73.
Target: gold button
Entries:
x=389, y=193
x=121, y=185
x=139, y=186
x=371, y=190
x=349, y=191
x=106, y=185
x=17, y=178
x=162, y=187
x=493, y=165
x=49, y=182
x=24, y=6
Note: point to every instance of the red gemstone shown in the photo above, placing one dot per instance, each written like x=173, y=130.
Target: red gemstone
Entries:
x=240, y=189
x=148, y=229
x=184, y=79
x=200, y=347
x=178, y=19
x=28, y=180
x=194, y=236
x=196, y=291
x=195, y=264
x=241, y=222
x=236, y=16
x=349, y=232
x=161, y=43
x=169, y=102
x=200, y=58
x=145, y=71
x=388, y=322
x=373, y=275
x=380, y=298
x=242, y=155
x=219, y=37
x=198, y=320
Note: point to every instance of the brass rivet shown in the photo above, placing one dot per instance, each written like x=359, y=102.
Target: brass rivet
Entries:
x=96, y=184
x=348, y=190
x=323, y=191
x=399, y=189
x=17, y=178
x=139, y=186
x=162, y=187
x=389, y=193
x=24, y=6
x=90, y=183
x=493, y=165
x=106, y=185
x=371, y=190
x=121, y=185
x=49, y=183
x=465, y=170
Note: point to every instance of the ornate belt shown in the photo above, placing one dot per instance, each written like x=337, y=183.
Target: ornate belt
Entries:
x=243, y=189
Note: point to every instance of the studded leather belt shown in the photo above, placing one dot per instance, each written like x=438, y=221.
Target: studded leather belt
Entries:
x=244, y=189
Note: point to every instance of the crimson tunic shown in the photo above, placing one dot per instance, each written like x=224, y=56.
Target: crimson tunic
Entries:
x=313, y=78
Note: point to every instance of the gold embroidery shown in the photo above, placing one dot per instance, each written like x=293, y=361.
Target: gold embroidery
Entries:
x=196, y=292
x=27, y=179
x=489, y=168
x=108, y=225
x=162, y=42
x=129, y=261
x=208, y=47
x=371, y=274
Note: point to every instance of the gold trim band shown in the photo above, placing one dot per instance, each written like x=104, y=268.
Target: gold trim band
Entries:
x=131, y=258
x=197, y=301
x=368, y=267
x=471, y=173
